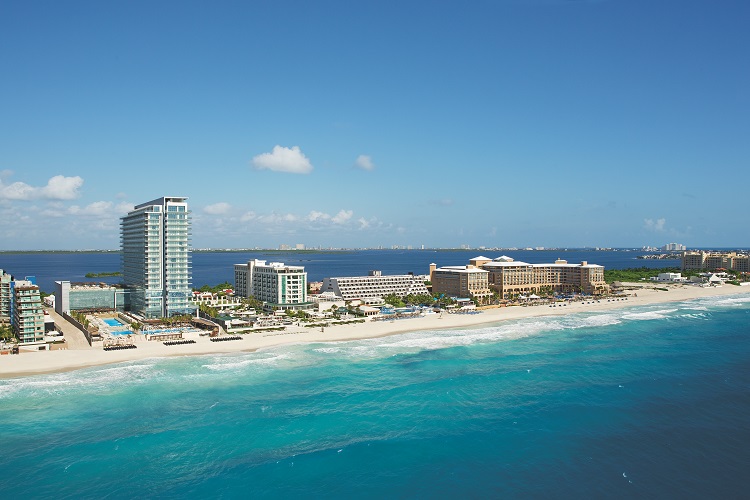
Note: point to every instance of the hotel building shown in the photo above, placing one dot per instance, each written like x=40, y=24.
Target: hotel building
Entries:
x=27, y=315
x=277, y=285
x=89, y=297
x=374, y=285
x=156, y=267
x=715, y=260
x=460, y=281
x=5, y=296
x=511, y=277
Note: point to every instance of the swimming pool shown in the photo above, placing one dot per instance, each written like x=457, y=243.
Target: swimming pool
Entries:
x=125, y=332
x=113, y=322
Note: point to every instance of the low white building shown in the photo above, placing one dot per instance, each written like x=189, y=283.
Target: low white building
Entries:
x=669, y=277
x=375, y=285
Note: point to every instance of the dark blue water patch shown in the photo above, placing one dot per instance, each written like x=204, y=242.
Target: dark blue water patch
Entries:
x=212, y=268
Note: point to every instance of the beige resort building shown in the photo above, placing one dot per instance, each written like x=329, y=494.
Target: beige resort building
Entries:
x=510, y=278
x=715, y=260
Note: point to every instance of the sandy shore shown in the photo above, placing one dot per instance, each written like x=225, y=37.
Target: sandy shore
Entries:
x=30, y=363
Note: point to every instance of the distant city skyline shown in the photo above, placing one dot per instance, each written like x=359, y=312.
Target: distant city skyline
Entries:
x=536, y=123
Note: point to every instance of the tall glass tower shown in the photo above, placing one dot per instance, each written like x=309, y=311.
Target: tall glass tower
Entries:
x=156, y=263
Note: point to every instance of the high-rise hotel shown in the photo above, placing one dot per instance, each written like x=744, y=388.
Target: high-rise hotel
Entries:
x=156, y=266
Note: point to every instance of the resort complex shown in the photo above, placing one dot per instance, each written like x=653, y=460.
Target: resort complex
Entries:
x=713, y=261
x=155, y=301
x=510, y=278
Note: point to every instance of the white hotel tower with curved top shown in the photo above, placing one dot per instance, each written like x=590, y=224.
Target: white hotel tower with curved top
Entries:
x=156, y=263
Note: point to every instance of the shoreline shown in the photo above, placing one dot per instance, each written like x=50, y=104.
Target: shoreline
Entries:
x=65, y=360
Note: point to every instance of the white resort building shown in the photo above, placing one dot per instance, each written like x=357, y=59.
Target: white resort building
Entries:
x=277, y=285
x=156, y=257
x=374, y=285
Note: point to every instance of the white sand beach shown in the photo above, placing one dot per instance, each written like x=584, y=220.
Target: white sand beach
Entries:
x=38, y=362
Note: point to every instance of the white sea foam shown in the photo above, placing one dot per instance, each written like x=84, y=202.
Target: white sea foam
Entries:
x=227, y=363
x=593, y=321
x=96, y=379
x=649, y=315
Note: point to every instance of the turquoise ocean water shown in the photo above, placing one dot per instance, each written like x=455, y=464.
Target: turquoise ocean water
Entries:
x=648, y=402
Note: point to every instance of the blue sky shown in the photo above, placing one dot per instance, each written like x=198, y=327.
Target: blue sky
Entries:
x=358, y=124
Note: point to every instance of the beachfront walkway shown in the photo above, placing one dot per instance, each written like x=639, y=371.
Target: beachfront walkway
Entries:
x=73, y=336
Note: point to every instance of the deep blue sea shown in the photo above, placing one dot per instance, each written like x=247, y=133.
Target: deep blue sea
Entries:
x=645, y=402
x=218, y=267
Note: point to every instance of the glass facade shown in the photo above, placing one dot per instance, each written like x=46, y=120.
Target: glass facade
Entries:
x=156, y=264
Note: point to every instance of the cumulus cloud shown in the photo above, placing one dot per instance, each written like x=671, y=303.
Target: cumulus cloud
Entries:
x=96, y=209
x=220, y=208
x=363, y=223
x=283, y=159
x=364, y=162
x=58, y=187
x=317, y=216
x=342, y=216
x=655, y=225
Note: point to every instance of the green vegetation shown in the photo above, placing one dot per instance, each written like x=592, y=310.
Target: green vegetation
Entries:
x=216, y=288
x=103, y=275
x=176, y=319
x=81, y=318
x=211, y=311
x=635, y=274
x=6, y=333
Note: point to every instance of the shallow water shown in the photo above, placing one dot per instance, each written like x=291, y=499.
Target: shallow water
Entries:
x=648, y=401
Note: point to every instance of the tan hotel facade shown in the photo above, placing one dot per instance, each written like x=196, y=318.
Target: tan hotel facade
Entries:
x=715, y=260
x=510, y=278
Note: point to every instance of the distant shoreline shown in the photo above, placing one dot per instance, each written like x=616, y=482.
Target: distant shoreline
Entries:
x=352, y=250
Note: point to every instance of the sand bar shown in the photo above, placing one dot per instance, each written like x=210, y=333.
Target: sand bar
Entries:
x=31, y=363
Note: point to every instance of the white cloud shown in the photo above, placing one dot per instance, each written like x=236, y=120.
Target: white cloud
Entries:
x=317, y=216
x=217, y=208
x=363, y=223
x=248, y=216
x=96, y=209
x=655, y=225
x=364, y=162
x=62, y=188
x=283, y=159
x=58, y=187
x=342, y=216
x=124, y=207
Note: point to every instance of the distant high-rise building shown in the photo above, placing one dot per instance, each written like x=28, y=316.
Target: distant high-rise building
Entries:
x=156, y=266
x=671, y=247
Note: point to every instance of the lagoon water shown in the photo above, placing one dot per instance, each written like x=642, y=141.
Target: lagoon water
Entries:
x=212, y=268
x=642, y=402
